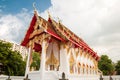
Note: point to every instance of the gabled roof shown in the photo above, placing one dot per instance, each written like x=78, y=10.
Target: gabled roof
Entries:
x=29, y=31
x=58, y=31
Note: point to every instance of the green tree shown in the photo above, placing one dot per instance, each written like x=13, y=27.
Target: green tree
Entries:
x=12, y=60
x=36, y=61
x=117, y=67
x=105, y=65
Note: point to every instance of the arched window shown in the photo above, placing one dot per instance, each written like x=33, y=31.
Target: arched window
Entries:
x=79, y=65
x=72, y=63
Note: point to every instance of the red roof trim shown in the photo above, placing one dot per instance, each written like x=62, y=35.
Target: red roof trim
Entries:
x=80, y=44
x=29, y=31
x=55, y=35
x=75, y=42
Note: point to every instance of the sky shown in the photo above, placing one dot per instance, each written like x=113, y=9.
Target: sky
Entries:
x=97, y=22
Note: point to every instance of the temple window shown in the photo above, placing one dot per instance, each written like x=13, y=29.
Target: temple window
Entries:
x=79, y=68
x=87, y=69
x=90, y=70
x=72, y=63
x=83, y=71
x=71, y=69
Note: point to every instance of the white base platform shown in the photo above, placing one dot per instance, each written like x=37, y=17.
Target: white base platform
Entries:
x=56, y=75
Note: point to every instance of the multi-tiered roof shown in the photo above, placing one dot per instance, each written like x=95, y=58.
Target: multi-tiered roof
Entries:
x=57, y=30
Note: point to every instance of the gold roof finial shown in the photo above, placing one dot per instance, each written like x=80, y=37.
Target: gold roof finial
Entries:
x=35, y=10
x=34, y=6
x=49, y=14
x=59, y=21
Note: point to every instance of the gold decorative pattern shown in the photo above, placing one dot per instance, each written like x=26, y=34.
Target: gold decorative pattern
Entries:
x=52, y=60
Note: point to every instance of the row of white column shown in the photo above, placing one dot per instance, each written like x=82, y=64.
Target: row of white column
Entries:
x=64, y=62
x=65, y=66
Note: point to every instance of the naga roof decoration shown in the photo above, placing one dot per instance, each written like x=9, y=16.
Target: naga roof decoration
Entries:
x=57, y=30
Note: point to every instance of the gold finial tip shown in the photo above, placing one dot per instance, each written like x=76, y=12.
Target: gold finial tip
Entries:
x=34, y=6
x=59, y=20
x=49, y=14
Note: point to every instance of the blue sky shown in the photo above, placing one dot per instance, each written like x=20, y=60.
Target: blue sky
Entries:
x=15, y=16
x=15, y=6
x=97, y=22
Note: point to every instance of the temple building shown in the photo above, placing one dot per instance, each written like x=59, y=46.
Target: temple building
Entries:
x=63, y=55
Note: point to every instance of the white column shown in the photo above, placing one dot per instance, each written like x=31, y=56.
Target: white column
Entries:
x=43, y=56
x=64, y=62
x=28, y=62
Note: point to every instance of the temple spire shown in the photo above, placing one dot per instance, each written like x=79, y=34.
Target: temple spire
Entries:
x=34, y=6
x=49, y=14
x=36, y=13
x=59, y=21
x=35, y=10
x=49, y=17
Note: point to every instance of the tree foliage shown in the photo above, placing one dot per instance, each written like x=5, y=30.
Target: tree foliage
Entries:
x=117, y=67
x=106, y=65
x=11, y=60
x=36, y=61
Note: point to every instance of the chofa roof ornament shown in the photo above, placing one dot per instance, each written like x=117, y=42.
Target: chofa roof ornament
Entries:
x=34, y=6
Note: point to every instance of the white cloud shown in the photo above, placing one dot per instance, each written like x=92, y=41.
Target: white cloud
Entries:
x=96, y=21
x=13, y=27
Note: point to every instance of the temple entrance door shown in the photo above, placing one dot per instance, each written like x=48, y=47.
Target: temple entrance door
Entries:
x=52, y=56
